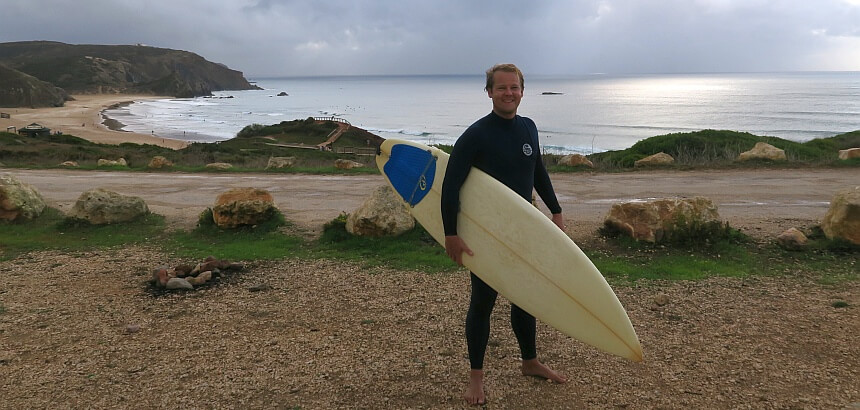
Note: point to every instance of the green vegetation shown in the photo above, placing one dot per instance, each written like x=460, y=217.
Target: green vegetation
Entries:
x=713, y=148
x=249, y=152
x=729, y=253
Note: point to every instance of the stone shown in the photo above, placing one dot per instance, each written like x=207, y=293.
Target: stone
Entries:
x=658, y=159
x=763, y=150
x=243, y=207
x=653, y=221
x=282, y=94
x=383, y=214
x=575, y=160
x=661, y=300
x=219, y=166
x=178, y=284
x=200, y=279
x=19, y=201
x=850, y=153
x=842, y=220
x=281, y=162
x=347, y=164
x=111, y=163
x=260, y=287
x=101, y=207
x=132, y=328
x=70, y=164
x=158, y=162
x=792, y=239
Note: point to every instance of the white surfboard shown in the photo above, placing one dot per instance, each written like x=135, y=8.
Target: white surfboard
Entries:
x=518, y=251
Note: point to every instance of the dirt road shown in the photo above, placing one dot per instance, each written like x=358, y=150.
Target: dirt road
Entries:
x=761, y=202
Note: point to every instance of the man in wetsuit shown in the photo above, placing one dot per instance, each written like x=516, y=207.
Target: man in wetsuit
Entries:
x=505, y=146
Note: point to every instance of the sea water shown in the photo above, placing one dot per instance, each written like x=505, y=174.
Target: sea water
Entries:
x=584, y=114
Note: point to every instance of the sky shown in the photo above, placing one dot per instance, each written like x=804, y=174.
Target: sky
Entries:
x=270, y=38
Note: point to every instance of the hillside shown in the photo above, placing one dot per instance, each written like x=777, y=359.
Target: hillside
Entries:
x=91, y=69
x=18, y=89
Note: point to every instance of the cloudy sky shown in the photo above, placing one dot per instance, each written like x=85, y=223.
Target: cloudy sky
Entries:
x=330, y=37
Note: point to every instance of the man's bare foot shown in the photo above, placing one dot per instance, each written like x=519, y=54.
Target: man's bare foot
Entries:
x=534, y=367
x=475, y=395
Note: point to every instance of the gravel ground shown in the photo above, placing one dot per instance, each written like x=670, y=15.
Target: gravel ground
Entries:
x=82, y=331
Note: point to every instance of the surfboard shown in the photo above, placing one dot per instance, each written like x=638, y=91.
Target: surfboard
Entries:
x=518, y=251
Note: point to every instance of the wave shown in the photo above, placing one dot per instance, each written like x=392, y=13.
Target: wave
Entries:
x=400, y=131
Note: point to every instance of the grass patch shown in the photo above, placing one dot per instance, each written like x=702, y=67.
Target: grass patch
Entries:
x=54, y=231
x=262, y=242
x=414, y=250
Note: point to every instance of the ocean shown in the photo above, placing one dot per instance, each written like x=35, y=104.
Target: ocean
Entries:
x=574, y=114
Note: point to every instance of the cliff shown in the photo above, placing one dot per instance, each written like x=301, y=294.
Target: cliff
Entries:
x=93, y=69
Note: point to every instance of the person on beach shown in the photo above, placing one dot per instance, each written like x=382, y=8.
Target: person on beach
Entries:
x=505, y=146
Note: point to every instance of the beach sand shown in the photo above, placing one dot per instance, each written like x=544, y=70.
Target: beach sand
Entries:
x=83, y=118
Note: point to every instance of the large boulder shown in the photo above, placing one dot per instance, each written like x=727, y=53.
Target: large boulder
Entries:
x=792, y=239
x=219, y=166
x=850, y=153
x=111, y=163
x=763, y=150
x=575, y=160
x=19, y=201
x=101, y=207
x=383, y=214
x=842, y=220
x=280, y=162
x=653, y=221
x=347, y=164
x=159, y=162
x=243, y=206
x=658, y=159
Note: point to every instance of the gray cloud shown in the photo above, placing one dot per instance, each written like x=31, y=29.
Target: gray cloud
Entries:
x=326, y=37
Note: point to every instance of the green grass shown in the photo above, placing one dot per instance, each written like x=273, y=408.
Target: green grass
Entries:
x=53, y=231
x=415, y=249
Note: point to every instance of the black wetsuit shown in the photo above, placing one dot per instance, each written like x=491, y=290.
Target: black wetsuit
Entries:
x=508, y=151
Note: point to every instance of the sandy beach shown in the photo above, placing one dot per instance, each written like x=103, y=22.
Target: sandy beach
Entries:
x=83, y=118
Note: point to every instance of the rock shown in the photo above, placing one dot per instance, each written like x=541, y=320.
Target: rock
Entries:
x=158, y=162
x=183, y=270
x=383, y=214
x=792, y=239
x=110, y=163
x=660, y=158
x=653, y=221
x=200, y=279
x=282, y=94
x=132, y=328
x=19, y=201
x=850, y=153
x=243, y=206
x=259, y=287
x=575, y=160
x=70, y=164
x=178, y=284
x=763, y=150
x=346, y=164
x=281, y=162
x=661, y=300
x=842, y=220
x=100, y=207
x=219, y=166
x=161, y=275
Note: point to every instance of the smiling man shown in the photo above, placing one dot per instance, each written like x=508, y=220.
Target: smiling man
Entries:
x=505, y=146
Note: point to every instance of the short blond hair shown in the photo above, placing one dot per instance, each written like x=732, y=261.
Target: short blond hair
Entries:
x=507, y=67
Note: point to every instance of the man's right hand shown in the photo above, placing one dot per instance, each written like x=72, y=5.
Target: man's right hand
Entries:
x=454, y=247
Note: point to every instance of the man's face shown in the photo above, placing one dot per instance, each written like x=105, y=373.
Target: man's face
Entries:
x=506, y=93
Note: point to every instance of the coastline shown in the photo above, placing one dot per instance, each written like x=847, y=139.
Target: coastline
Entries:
x=84, y=118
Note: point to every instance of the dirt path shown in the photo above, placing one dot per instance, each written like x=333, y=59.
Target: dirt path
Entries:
x=80, y=331
x=761, y=202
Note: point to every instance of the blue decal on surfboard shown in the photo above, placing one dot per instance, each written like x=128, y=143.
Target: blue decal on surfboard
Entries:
x=411, y=171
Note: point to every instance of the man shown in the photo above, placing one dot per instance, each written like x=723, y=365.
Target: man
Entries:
x=505, y=146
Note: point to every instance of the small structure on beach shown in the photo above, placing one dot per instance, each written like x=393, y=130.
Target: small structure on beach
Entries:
x=5, y=115
x=35, y=130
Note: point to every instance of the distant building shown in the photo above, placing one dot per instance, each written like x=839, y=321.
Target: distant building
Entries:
x=35, y=130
